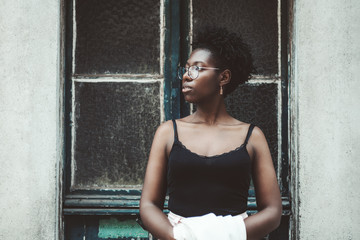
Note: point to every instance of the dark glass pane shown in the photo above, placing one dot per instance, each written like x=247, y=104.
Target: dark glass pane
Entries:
x=257, y=104
x=114, y=127
x=117, y=36
x=255, y=20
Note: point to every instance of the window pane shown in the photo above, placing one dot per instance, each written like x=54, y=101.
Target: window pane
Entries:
x=257, y=104
x=117, y=36
x=114, y=127
x=255, y=20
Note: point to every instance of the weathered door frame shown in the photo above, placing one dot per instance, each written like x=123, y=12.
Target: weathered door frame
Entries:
x=292, y=123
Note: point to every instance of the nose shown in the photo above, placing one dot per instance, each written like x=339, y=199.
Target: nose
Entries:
x=186, y=77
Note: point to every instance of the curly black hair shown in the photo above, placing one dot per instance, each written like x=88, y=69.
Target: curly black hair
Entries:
x=229, y=52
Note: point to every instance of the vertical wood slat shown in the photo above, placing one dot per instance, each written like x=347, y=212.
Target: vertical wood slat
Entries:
x=284, y=174
x=172, y=56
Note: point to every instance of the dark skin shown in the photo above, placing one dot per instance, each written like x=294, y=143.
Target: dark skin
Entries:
x=217, y=132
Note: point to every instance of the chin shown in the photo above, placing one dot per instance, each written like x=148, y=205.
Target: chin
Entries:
x=190, y=99
x=196, y=99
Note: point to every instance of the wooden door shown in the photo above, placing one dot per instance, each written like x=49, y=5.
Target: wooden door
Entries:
x=121, y=59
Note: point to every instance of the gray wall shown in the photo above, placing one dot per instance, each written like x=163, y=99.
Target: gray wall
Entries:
x=324, y=105
x=29, y=118
x=326, y=93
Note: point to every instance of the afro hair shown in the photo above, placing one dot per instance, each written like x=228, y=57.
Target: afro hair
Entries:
x=229, y=52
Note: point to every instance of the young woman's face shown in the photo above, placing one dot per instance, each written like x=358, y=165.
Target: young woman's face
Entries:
x=206, y=85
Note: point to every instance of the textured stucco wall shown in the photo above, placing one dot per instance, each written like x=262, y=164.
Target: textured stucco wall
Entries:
x=327, y=72
x=29, y=110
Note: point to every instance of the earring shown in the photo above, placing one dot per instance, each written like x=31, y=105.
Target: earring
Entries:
x=221, y=90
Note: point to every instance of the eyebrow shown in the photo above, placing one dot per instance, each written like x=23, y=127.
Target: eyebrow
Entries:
x=195, y=63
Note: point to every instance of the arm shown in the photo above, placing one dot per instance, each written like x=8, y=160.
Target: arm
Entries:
x=268, y=197
x=154, y=189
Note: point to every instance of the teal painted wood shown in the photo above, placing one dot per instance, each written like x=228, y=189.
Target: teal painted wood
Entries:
x=113, y=228
x=172, y=54
x=126, y=227
x=126, y=205
x=185, y=17
x=102, y=227
x=74, y=228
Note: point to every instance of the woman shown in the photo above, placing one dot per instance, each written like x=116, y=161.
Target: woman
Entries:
x=205, y=160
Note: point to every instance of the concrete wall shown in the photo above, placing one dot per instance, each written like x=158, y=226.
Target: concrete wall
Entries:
x=327, y=92
x=29, y=118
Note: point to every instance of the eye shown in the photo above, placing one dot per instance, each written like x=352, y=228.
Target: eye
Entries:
x=193, y=68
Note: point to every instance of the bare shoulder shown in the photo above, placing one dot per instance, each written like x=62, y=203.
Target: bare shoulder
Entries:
x=165, y=131
x=164, y=136
x=258, y=133
x=259, y=145
x=165, y=128
x=257, y=137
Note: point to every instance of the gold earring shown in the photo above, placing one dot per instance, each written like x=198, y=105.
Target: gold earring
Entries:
x=221, y=90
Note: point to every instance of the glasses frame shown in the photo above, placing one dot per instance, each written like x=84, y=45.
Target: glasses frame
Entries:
x=192, y=71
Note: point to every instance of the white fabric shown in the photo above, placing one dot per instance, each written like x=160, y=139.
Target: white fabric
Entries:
x=209, y=227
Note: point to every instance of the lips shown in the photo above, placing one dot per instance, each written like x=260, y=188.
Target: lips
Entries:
x=186, y=89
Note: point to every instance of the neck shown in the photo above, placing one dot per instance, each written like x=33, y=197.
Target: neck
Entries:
x=211, y=112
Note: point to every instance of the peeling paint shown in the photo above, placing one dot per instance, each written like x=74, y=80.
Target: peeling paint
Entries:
x=113, y=228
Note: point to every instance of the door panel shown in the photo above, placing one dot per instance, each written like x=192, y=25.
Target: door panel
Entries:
x=117, y=36
x=121, y=61
x=114, y=123
x=256, y=20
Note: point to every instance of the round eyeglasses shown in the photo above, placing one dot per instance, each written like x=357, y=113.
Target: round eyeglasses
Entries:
x=193, y=71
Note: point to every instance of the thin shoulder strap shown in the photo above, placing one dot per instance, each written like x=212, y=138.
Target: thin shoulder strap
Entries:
x=251, y=127
x=175, y=129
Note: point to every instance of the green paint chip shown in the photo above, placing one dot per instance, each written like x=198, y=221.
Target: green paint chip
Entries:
x=113, y=228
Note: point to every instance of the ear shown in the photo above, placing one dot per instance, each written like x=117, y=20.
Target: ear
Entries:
x=225, y=77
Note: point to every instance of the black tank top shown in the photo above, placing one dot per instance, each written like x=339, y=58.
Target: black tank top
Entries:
x=198, y=185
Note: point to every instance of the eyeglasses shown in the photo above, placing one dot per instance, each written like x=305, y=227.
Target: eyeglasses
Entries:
x=193, y=71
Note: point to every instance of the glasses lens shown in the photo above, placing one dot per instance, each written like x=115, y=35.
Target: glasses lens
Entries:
x=193, y=72
x=180, y=72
